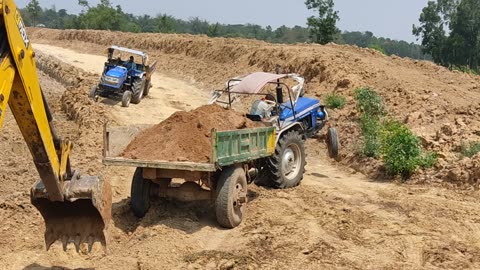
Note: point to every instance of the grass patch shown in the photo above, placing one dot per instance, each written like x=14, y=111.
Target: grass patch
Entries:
x=471, y=149
x=335, y=101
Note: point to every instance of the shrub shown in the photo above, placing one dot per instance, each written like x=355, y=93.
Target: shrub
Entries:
x=471, y=149
x=400, y=149
x=377, y=48
x=369, y=102
x=428, y=160
x=370, y=127
x=335, y=101
x=465, y=69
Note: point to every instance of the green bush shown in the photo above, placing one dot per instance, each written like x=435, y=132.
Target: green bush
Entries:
x=471, y=149
x=465, y=69
x=428, y=160
x=335, y=101
x=377, y=47
x=400, y=149
x=370, y=127
x=369, y=102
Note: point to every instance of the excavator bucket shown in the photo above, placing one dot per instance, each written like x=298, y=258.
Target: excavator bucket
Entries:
x=82, y=218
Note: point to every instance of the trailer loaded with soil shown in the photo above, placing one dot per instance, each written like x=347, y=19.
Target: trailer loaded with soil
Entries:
x=222, y=177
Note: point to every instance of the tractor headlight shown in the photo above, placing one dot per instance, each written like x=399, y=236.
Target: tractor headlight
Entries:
x=111, y=80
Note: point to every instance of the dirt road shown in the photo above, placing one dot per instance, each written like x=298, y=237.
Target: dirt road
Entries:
x=336, y=219
x=167, y=95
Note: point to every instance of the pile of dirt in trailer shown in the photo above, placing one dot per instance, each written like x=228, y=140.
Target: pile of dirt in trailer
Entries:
x=186, y=136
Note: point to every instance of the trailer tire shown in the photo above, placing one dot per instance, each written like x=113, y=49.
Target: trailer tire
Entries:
x=231, y=199
x=140, y=194
x=286, y=167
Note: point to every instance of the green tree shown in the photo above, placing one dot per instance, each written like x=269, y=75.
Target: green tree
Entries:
x=323, y=28
x=34, y=9
x=431, y=31
x=460, y=48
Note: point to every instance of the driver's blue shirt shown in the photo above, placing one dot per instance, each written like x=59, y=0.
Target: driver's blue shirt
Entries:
x=130, y=65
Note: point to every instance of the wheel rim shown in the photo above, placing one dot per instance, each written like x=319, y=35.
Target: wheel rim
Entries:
x=239, y=200
x=291, y=161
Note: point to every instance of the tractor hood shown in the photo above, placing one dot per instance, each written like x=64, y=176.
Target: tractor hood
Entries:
x=117, y=72
x=303, y=107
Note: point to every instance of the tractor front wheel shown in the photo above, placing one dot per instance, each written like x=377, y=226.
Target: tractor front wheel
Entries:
x=94, y=93
x=126, y=98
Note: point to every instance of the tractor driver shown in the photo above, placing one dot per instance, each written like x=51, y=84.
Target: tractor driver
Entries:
x=130, y=64
x=261, y=108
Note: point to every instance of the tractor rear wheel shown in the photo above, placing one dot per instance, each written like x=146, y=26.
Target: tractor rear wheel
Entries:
x=140, y=194
x=126, y=98
x=286, y=167
x=231, y=197
x=137, y=88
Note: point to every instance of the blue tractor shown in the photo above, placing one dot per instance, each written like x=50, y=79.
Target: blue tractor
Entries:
x=295, y=117
x=129, y=79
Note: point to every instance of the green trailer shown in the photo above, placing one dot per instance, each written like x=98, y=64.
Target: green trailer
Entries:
x=222, y=181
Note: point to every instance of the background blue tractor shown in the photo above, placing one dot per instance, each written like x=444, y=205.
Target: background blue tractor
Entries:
x=129, y=79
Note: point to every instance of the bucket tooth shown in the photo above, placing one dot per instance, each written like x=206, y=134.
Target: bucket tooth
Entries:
x=64, y=242
x=77, y=243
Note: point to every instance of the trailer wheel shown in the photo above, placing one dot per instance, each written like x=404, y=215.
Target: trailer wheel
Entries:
x=286, y=167
x=126, y=98
x=332, y=143
x=231, y=197
x=140, y=194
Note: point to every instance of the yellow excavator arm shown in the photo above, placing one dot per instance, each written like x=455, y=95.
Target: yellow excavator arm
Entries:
x=75, y=208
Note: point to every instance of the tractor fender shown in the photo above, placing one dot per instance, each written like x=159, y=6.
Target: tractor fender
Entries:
x=141, y=75
x=292, y=126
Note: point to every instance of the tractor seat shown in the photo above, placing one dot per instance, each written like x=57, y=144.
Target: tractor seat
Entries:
x=254, y=117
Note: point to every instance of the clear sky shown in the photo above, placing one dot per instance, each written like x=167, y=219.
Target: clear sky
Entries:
x=386, y=18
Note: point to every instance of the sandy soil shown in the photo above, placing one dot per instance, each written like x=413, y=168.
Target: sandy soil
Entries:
x=336, y=219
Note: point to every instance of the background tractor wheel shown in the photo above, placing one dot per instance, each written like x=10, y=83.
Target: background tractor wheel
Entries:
x=146, y=90
x=126, y=98
x=231, y=197
x=140, y=194
x=286, y=167
x=93, y=93
x=332, y=143
x=138, y=87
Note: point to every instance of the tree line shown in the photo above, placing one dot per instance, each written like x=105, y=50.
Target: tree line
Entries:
x=321, y=29
x=450, y=33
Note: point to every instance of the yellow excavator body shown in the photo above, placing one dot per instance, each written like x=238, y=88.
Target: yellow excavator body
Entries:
x=75, y=208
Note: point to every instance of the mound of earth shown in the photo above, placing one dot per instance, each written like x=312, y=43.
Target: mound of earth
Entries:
x=186, y=136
